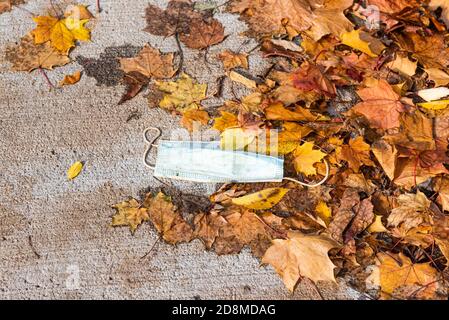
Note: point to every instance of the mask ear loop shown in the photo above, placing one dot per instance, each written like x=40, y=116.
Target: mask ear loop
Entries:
x=151, y=145
x=315, y=184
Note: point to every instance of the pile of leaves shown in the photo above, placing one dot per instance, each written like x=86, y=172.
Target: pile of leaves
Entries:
x=361, y=85
x=367, y=97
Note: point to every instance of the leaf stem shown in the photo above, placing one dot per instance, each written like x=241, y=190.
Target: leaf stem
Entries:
x=42, y=71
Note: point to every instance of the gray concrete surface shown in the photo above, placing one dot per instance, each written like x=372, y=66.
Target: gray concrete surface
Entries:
x=55, y=238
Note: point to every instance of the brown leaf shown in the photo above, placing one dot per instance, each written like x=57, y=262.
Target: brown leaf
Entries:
x=363, y=219
x=357, y=153
x=134, y=82
x=165, y=218
x=151, y=63
x=207, y=227
x=290, y=16
x=413, y=210
x=380, y=106
x=196, y=29
x=28, y=56
x=233, y=60
x=431, y=51
x=343, y=215
x=277, y=111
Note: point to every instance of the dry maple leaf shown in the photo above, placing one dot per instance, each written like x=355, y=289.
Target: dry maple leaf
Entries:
x=207, y=227
x=398, y=271
x=380, y=106
x=130, y=213
x=387, y=156
x=277, y=111
x=192, y=119
x=27, y=55
x=62, y=33
x=431, y=51
x=441, y=185
x=413, y=210
x=225, y=121
x=363, y=42
x=300, y=256
x=196, y=29
x=306, y=158
x=167, y=221
x=294, y=16
x=233, y=60
x=182, y=94
x=151, y=63
x=356, y=153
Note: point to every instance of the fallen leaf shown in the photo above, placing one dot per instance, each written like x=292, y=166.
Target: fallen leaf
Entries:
x=277, y=111
x=324, y=212
x=78, y=12
x=364, y=216
x=193, y=118
x=165, y=218
x=62, y=34
x=444, y=5
x=225, y=121
x=356, y=153
x=431, y=51
x=413, y=210
x=196, y=29
x=435, y=105
x=262, y=200
x=233, y=60
x=306, y=158
x=438, y=76
x=403, y=65
x=343, y=215
x=380, y=106
x=207, y=227
x=130, y=213
x=71, y=79
x=267, y=17
x=203, y=33
x=75, y=170
x=433, y=93
x=151, y=63
x=27, y=55
x=377, y=226
x=363, y=42
x=397, y=271
x=237, y=77
x=182, y=94
x=387, y=156
x=300, y=256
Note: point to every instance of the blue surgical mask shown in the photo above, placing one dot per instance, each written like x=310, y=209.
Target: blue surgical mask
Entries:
x=206, y=162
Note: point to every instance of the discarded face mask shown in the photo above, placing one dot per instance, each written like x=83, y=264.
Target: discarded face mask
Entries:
x=206, y=162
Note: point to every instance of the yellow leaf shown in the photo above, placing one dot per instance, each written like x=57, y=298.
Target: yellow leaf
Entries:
x=237, y=138
x=261, y=200
x=233, y=60
x=193, y=119
x=130, y=213
x=324, y=212
x=71, y=79
x=237, y=77
x=377, y=225
x=62, y=34
x=306, y=157
x=181, y=94
x=299, y=256
x=362, y=41
x=227, y=120
x=435, y=105
x=75, y=170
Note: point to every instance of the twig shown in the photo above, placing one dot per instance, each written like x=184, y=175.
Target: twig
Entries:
x=181, y=54
x=98, y=6
x=42, y=71
x=30, y=242
x=152, y=247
